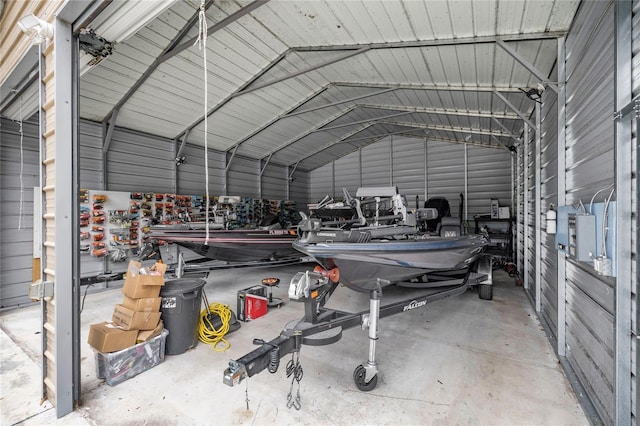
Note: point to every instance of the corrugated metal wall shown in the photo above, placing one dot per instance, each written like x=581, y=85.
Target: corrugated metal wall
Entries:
x=139, y=162
x=530, y=212
x=635, y=44
x=520, y=213
x=16, y=230
x=136, y=162
x=445, y=173
x=409, y=168
x=191, y=174
x=417, y=168
x=489, y=174
x=549, y=195
x=589, y=161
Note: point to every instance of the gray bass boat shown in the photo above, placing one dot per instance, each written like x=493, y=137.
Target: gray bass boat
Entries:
x=382, y=245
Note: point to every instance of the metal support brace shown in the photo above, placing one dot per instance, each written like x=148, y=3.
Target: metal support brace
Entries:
x=109, y=136
x=533, y=70
x=306, y=70
x=511, y=135
x=185, y=136
x=514, y=109
x=266, y=163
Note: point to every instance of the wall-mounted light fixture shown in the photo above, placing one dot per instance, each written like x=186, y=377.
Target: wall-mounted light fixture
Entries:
x=37, y=29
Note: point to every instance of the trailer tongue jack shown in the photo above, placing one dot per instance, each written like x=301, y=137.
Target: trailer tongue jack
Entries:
x=323, y=326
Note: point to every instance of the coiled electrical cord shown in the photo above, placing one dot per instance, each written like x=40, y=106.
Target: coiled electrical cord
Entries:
x=208, y=333
x=274, y=359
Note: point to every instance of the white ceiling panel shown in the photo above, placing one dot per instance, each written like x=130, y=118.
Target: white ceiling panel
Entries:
x=266, y=60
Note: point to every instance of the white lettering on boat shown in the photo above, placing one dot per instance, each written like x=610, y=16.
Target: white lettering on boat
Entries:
x=413, y=305
x=326, y=234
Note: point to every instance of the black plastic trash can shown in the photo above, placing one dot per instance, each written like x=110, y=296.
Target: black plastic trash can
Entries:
x=181, y=300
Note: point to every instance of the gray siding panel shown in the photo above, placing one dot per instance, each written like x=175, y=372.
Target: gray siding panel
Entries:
x=548, y=196
x=445, y=166
x=590, y=167
x=274, y=182
x=91, y=167
x=191, y=174
x=530, y=186
x=489, y=174
x=635, y=46
x=321, y=183
x=347, y=174
x=139, y=162
x=16, y=227
x=376, y=165
x=409, y=168
x=242, y=178
x=403, y=162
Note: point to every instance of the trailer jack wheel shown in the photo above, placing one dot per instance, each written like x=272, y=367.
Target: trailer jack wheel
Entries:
x=360, y=377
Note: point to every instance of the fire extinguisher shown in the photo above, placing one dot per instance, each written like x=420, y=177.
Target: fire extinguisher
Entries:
x=551, y=220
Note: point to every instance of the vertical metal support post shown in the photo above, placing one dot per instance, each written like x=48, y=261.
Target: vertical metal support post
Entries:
x=288, y=187
x=42, y=198
x=374, y=315
x=333, y=178
x=360, y=166
x=259, y=178
x=623, y=169
x=103, y=159
x=519, y=194
x=66, y=213
x=562, y=195
x=426, y=171
x=525, y=180
x=637, y=233
x=174, y=145
x=538, y=213
x=228, y=161
x=466, y=184
x=391, y=160
x=513, y=204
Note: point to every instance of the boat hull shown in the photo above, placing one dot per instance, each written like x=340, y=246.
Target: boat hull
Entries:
x=237, y=245
x=364, y=266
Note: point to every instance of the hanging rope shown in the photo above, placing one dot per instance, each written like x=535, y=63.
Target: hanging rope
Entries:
x=21, y=166
x=202, y=45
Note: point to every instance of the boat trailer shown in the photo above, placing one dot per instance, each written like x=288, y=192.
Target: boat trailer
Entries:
x=323, y=326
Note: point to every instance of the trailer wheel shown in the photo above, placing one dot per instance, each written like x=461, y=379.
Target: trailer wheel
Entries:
x=485, y=291
x=359, y=377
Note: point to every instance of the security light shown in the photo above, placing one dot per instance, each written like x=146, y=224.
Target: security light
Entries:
x=37, y=29
x=535, y=93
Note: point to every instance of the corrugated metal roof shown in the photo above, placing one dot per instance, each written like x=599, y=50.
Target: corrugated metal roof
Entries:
x=310, y=81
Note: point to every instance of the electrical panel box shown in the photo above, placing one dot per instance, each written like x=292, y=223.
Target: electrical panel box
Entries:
x=582, y=236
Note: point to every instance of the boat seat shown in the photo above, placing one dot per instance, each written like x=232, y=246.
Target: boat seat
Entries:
x=449, y=227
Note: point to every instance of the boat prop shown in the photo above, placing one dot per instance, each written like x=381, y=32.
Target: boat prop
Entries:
x=322, y=326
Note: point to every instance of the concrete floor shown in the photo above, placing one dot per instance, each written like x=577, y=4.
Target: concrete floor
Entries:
x=458, y=361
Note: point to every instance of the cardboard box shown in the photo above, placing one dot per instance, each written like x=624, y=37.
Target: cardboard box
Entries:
x=133, y=320
x=146, y=335
x=145, y=304
x=138, y=285
x=116, y=367
x=109, y=337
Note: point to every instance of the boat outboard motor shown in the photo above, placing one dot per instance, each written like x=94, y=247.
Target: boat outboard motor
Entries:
x=442, y=205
